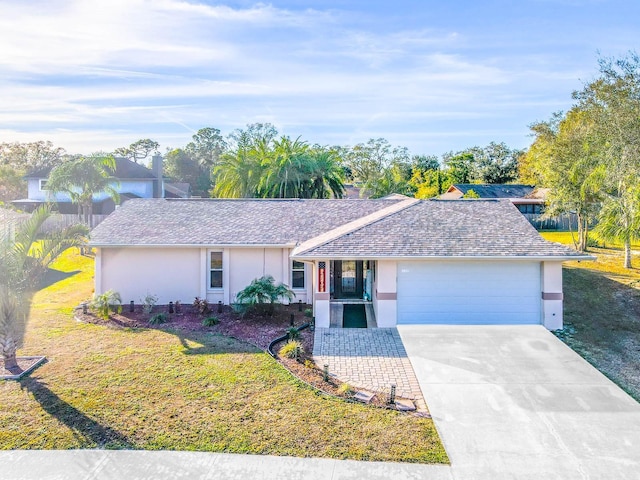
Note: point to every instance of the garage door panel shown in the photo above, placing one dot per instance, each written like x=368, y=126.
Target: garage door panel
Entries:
x=469, y=292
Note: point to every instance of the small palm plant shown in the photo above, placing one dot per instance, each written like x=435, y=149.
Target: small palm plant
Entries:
x=262, y=294
x=107, y=302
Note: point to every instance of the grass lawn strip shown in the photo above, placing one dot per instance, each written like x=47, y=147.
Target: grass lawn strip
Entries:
x=602, y=313
x=153, y=389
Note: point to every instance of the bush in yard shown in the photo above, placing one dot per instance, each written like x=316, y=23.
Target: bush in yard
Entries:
x=262, y=295
x=308, y=312
x=201, y=305
x=293, y=333
x=148, y=303
x=346, y=390
x=291, y=349
x=109, y=301
x=158, y=318
x=210, y=321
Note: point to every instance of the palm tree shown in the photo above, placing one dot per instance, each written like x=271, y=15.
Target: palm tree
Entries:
x=619, y=220
x=82, y=178
x=326, y=175
x=285, y=169
x=24, y=260
x=237, y=174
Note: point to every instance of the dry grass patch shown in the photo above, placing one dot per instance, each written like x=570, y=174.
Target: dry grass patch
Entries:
x=144, y=388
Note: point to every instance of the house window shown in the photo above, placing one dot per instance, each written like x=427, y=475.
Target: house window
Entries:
x=43, y=184
x=297, y=275
x=215, y=269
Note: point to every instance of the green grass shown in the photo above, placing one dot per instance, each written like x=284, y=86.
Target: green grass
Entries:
x=602, y=313
x=153, y=389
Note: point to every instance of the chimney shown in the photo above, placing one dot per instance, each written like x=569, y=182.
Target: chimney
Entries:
x=158, y=182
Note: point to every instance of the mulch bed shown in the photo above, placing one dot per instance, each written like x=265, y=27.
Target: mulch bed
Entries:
x=255, y=329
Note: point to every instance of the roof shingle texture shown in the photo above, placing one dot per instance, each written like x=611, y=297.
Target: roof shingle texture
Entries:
x=429, y=228
x=438, y=228
x=496, y=190
x=227, y=222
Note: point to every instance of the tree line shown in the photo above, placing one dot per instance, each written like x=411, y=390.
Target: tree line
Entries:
x=258, y=162
x=589, y=157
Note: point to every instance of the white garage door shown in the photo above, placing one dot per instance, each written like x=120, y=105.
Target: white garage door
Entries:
x=479, y=293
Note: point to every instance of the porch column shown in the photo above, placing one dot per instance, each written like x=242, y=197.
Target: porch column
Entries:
x=552, y=297
x=321, y=293
x=386, y=293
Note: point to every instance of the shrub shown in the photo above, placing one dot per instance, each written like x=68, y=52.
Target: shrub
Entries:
x=291, y=349
x=201, y=305
x=308, y=312
x=177, y=306
x=293, y=333
x=158, y=318
x=148, y=303
x=346, y=390
x=210, y=321
x=262, y=294
x=104, y=303
x=309, y=363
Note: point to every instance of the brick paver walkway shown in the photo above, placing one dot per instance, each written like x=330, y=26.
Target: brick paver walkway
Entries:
x=369, y=358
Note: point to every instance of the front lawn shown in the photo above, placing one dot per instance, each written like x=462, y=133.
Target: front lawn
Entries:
x=151, y=389
x=602, y=313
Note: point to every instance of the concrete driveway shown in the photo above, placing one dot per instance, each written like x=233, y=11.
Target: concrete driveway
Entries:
x=515, y=402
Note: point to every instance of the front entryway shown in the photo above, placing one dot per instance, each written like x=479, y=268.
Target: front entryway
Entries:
x=337, y=314
x=347, y=278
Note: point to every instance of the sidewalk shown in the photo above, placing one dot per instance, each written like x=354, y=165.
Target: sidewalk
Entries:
x=161, y=465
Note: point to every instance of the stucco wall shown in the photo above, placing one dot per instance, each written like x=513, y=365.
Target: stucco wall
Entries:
x=170, y=273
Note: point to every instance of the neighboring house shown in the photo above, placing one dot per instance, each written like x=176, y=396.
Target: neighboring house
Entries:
x=135, y=181
x=522, y=196
x=415, y=261
x=529, y=200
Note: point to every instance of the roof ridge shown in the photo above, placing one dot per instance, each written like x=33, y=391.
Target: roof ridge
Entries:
x=352, y=226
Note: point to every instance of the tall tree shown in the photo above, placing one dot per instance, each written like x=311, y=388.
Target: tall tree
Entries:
x=369, y=161
x=83, y=178
x=18, y=159
x=496, y=163
x=206, y=147
x=24, y=259
x=566, y=158
x=138, y=150
x=612, y=101
x=179, y=166
x=460, y=166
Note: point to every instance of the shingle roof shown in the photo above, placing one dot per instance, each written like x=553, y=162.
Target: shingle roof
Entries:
x=427, y=228
x=227, y=222
x=496, y=190
x=444, y=228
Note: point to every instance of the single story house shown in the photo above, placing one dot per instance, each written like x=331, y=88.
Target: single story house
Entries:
x=414, y=261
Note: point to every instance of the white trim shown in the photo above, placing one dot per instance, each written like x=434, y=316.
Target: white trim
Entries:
x=204, y=272
x=98, y=271
x=45, y=180
x=562, y=258
x=304, y=275
x=208, y=270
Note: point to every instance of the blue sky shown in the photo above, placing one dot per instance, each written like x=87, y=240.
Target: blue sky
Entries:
x=433, y=76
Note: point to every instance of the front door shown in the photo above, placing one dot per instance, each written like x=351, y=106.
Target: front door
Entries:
x=347, y=278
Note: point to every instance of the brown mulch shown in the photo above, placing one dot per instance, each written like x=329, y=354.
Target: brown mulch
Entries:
x=255, y=329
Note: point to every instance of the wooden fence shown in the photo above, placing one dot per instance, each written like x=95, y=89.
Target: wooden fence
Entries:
x=60, y=220
x=563, y=222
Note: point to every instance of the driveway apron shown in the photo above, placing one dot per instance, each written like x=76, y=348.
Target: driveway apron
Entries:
x=515, y=402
